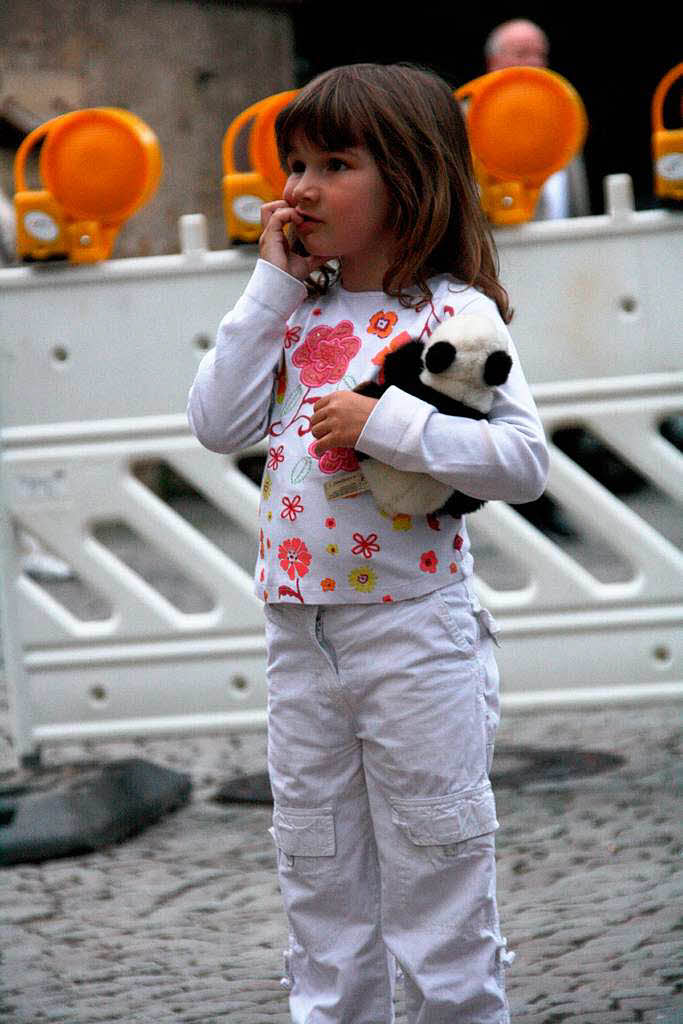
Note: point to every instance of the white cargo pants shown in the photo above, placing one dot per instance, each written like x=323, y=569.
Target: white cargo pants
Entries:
x=381, y=726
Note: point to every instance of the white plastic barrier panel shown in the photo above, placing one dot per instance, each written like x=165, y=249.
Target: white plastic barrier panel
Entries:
x=97, y=364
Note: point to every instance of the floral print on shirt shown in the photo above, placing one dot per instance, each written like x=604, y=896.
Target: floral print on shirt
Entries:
x=382, y=324
x=318, y=563
x=326, y=353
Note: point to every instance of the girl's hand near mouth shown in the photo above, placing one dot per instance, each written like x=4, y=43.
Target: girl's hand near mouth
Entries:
x=280, y=220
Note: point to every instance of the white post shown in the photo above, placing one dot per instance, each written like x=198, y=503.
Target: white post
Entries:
x=618, y=190
x=18, y=691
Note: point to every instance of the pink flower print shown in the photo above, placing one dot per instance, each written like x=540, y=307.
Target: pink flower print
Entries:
x=292, y=507
x=330, y=522
x=277, y=456
x=335, y=460
x=365, y=545
x=326, y=353
x=292, y=336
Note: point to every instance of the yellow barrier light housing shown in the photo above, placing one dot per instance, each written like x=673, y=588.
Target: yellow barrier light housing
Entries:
x=523, y=124
x=244, y=192
x=98, y=166
x=667, y=143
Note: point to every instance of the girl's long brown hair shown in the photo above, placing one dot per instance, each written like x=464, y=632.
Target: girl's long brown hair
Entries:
x=410, y=122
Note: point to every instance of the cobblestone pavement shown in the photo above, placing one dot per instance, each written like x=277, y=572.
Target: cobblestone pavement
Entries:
x=182, y=923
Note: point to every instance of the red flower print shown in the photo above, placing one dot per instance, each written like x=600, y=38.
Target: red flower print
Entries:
x=277, y=456
x=453, y=567
x=292, y=336
x=387, y=598
x=457, y=543
x=428, y=561
x=433, y=521
x=382, y=324
x=295, y=558
x=292, y=507
x=330, y=522
x=335, y=460
x=448, y=310
x=328, y=584
x=317, y=311
x=326, y=354
x=262, y=576
x=365, y=545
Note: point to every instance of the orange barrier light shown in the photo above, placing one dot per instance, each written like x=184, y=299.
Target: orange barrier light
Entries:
x=97, y=166
x=667, y=143
x=523, y=124
x=244, y=192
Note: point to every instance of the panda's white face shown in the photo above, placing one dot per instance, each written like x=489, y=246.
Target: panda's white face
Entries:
x=465, y=357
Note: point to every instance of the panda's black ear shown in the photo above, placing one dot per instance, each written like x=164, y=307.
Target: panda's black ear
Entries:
x=496, y=368
x=440, y=356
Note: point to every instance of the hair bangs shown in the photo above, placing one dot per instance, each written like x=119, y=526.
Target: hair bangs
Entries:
x=329, y=117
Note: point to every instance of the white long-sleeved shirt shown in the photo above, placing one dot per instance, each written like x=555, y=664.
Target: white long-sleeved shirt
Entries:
x=276, y=353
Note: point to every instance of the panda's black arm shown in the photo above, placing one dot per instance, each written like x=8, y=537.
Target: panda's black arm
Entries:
x=450, y=406
x=370, y=388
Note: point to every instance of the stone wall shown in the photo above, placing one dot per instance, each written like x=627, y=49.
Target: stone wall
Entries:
x=185, y=67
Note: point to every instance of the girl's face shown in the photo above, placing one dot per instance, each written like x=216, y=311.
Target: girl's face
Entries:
x=343, y=207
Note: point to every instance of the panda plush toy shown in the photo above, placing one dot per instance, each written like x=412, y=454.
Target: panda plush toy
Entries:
x=456, y=370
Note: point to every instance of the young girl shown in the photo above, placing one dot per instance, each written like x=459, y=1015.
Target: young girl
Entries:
x=383, y=690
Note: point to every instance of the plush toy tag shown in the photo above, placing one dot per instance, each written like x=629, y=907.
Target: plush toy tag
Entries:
x=347, y=486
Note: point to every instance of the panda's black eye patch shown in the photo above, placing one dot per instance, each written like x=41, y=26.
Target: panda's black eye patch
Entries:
x=497, y=368
x=440, y=356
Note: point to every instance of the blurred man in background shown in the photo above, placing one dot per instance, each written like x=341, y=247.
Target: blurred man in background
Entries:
x=521, y=43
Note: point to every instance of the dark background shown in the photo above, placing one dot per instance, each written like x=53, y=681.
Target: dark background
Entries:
x=615, y=65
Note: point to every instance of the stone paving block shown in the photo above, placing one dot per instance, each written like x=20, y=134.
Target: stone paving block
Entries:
x=638, y=1003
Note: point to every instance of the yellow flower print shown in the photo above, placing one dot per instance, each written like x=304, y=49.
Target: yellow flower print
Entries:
x=267, y=488
x=332, y=549
x=402, y=522
x=363, y=579
x=269, y=516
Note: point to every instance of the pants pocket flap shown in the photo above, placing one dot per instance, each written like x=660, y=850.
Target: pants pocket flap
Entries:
x=447, y=819
x=304, y=833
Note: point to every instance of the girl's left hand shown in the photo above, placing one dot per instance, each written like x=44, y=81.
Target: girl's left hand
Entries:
x=338, y=419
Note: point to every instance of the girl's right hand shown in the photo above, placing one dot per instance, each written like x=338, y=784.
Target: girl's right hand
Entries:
x=274, y=244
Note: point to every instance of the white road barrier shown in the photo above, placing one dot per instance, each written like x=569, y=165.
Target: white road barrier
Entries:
x=97, y=362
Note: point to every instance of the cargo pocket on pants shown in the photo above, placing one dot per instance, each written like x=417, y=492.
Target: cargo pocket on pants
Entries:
x=446, y=820
x=446, y=869
x=305, y=838
x=310, y=880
